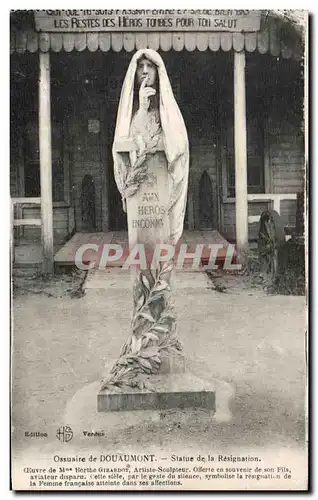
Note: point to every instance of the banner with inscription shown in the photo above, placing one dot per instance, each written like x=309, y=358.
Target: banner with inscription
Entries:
x=147, y=20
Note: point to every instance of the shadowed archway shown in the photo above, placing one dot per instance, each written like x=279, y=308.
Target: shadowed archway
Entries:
x=206, y=202
x=88, y=204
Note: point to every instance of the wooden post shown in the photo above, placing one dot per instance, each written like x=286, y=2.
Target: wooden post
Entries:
x=21, y=184
x=276, y=204
x=240, y=139
x=45, y=145
x=12, y=256
x=105, y=166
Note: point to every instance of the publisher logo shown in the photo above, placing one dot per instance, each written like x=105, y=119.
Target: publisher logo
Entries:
x=64, y=434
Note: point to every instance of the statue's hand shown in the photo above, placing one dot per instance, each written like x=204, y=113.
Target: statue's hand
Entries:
x=144, y=94
x=124, y=205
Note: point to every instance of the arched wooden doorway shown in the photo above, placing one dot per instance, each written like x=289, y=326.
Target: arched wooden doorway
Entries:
x=88, y=204
x=206, y=202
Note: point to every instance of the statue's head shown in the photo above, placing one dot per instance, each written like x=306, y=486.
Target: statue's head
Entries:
x=146, y=69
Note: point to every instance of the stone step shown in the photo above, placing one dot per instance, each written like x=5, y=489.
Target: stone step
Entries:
x=118, y=278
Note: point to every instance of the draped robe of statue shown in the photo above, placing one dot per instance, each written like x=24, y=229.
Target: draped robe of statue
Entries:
x=165, y=123
x=152, y=179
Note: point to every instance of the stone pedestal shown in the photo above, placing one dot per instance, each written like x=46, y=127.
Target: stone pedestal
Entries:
x=170, y=391
x=209, y=400
x=174, y=387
